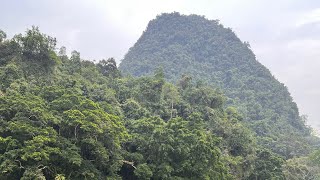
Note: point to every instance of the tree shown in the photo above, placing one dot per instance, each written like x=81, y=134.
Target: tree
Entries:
x=36, y=45
x=109, y=68
x=3, y=36
x=38, y=52
x=185, y=81
x=209, y=52
x=75, y=62
x=301, y=168
x=143, y=172
x=10, y=73
x=83, y=121
x=177, y=149
x=36, y=143
x=62, y=51
x=75, y=56
x=171, y=94
x=268, y=165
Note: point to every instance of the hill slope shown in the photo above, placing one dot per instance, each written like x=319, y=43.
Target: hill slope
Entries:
x=211, y=53
x=66, y=118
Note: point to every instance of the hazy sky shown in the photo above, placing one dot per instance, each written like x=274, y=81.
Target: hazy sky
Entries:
x=284, y=34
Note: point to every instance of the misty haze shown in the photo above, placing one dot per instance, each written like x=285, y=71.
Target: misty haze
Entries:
x=159, y=89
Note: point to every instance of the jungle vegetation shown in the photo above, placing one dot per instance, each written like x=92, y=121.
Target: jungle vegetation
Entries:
x=64, y=117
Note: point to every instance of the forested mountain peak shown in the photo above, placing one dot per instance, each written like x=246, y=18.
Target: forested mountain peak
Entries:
x=212, y=54
x=62, y=117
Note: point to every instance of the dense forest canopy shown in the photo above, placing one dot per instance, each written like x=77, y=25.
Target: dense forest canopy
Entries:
x=63, y=117
x=211, y=54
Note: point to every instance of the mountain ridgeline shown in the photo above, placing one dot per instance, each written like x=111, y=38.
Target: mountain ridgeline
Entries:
x=63, y=117
x=211, y=54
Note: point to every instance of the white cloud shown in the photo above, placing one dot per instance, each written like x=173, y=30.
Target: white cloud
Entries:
x=309, y=18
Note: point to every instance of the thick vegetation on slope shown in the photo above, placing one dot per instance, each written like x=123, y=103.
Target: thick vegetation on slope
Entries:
x=211, y=54
x=68, y=118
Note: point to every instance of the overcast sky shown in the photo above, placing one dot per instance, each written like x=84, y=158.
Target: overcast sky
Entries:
x=284, y=34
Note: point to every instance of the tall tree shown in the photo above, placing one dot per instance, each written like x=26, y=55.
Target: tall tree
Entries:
x=3, y=35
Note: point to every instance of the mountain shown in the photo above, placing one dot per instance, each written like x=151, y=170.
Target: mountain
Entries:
x=62, y=117
x=67, y=118
x=211, y=54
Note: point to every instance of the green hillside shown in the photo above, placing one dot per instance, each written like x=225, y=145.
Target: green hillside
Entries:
x=65, y=118
x=211, y=54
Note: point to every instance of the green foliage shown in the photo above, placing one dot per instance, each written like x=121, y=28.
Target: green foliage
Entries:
x=108, y=68
x=9, y=74
x=60, y=177
x=133, y=110
x=67, y=118
x=35, y=45
x=33, y=173
x=3, y=36
x=143, y=172
x=267, y=166
x=177, y=148
x=193, y=47
x=43, y=138
x=75, y=62
x=37, y=49
x=301, y=168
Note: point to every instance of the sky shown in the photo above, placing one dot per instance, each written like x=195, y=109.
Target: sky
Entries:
x=284, y=34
